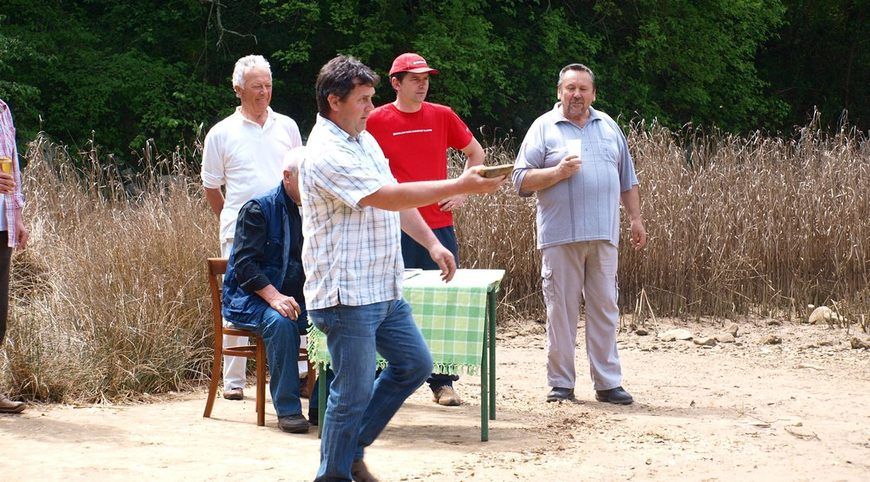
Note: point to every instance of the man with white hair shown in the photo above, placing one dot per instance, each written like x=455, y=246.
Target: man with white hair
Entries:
x=244, y=153
x=263, y=288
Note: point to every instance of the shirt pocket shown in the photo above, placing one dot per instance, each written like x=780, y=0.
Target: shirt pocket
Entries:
x=272, y=253
x=608, y=148
x=547, y=283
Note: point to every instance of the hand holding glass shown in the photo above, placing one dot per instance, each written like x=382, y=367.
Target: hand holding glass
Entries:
x=6, y=164
x=7, y=183
x=574, y=147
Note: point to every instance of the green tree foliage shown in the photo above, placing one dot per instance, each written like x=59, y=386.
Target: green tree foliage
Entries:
x=690, y=61
x=551, y=36
x=123, y=72
x=677, y=61
x=22, y=97
x=120, y=72
x=821, y=58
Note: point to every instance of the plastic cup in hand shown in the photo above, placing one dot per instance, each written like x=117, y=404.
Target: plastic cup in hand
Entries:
x=574, y=147
x=6, y=165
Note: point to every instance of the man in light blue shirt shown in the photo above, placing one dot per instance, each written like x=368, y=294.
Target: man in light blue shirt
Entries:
x=576, y=160
x=353, y=215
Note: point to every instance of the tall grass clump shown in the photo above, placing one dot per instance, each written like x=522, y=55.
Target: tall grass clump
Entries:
x=737, y=225
x=109, y=297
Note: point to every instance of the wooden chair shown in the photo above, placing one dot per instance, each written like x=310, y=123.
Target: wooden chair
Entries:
x=216, y=269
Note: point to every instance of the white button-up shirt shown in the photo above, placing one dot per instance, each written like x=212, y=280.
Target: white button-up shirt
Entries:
x=247, y=158
x=351, y=255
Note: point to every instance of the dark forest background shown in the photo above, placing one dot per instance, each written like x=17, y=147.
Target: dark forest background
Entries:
x=120, y=73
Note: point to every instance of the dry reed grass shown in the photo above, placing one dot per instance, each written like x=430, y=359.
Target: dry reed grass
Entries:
x=110, y=300
x=109, y=297
x=738, y=225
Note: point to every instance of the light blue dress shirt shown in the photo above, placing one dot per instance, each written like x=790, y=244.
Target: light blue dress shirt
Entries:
x=584, y=207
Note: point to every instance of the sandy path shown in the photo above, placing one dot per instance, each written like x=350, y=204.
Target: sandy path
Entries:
x=745, y=411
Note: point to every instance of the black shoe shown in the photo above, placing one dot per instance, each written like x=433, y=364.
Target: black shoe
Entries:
x=616, y=395
x=293, y=423
x=313, y=418
x=558, y=394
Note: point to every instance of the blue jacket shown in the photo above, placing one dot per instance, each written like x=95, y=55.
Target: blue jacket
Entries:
x=267, y=250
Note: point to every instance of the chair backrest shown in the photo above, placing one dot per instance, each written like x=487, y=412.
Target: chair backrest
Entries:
x=217, y=267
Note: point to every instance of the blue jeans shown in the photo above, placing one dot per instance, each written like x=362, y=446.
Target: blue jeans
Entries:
x=359, y=406
x=416, y=256
x=281, y=335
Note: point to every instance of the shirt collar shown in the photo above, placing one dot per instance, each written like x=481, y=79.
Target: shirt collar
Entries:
x=558, y=116
x=270, y=114
x=336, y=130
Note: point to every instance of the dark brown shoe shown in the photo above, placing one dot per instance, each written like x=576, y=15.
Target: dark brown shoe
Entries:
x=9, y=406
x=446, y=396
x=234, y=394
x=360, y=472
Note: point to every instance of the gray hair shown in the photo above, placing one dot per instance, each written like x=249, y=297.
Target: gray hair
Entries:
x=575, y=67
x=293, y=159
x=245, y=65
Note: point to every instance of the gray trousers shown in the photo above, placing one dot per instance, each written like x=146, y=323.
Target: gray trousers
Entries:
x=569, y=271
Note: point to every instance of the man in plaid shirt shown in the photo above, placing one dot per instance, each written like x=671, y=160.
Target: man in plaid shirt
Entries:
x=353, y=214
x=13, y=233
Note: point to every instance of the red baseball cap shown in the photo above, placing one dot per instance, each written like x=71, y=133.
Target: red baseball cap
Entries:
x=411, y=62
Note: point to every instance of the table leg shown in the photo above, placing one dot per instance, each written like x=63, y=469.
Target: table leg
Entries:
x=321, y=397
x=484, y=386
x=491, y=303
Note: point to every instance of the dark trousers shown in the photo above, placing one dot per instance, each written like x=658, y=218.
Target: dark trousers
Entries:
x=5, y=259
x=416, y=256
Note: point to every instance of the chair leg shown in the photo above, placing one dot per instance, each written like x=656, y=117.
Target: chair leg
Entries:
x=310, y=379
x=261, y=382
x=215, y=378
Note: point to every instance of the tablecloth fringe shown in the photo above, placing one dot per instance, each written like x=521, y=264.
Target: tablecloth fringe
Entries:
x=445, y=368
x=441, y=368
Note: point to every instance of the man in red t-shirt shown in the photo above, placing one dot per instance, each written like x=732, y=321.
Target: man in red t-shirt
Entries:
x=414, y=135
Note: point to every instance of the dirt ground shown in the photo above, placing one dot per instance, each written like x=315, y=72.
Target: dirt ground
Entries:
x=798, y=410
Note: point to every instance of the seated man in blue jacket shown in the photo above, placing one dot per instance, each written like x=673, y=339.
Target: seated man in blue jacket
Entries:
x=263, y=288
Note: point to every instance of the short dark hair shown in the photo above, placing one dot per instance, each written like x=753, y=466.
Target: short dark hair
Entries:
x=400, y=76
x=338, y=77
x=578, y=68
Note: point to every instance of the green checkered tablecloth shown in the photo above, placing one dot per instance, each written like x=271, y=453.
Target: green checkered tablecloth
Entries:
x=451, y=316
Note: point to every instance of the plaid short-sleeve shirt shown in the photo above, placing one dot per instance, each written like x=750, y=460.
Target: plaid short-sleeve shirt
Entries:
x=351, y=254
x=14, y=202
